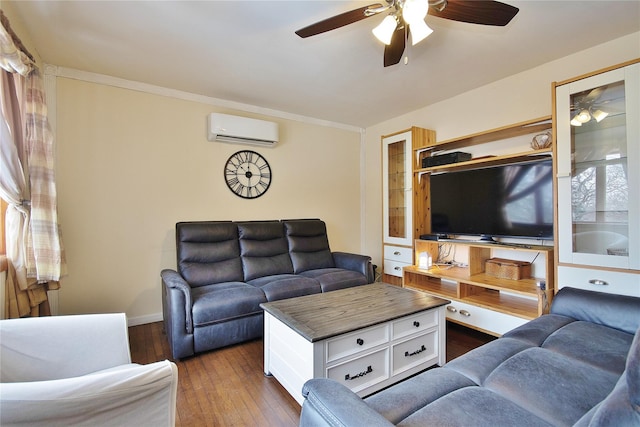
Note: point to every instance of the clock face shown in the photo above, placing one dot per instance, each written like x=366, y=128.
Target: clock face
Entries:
x=247, y=174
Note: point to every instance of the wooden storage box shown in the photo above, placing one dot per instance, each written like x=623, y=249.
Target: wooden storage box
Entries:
x=508, y=268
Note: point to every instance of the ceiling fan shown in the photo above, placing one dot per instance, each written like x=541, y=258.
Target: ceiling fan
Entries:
x=405, y=15
x=594, y=104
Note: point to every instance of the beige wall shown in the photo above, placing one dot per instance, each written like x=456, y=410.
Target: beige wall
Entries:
x=511, y=100
x=131, y=164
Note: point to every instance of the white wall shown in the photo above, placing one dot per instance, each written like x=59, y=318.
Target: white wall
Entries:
x=520, y=97
x=130, y=164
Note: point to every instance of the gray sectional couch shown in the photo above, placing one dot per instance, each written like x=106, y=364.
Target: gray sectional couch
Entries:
x=578, y=365
x=226, y=269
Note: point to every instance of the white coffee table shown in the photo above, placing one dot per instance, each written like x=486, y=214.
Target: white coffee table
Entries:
x=366, y=337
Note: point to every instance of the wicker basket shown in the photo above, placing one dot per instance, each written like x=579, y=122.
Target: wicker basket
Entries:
x=508, y=268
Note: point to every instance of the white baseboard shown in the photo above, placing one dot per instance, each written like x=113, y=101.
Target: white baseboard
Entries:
x=142, y=320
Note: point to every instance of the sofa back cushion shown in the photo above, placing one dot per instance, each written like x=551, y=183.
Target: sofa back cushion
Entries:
x=308, y=244
x=208, y=252
x=263, y=249
x=612, y=310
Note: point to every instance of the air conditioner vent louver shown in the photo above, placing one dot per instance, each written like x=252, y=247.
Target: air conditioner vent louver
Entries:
x=241, y=130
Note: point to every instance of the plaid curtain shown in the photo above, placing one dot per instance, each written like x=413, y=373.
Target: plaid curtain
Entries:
x=27, y=182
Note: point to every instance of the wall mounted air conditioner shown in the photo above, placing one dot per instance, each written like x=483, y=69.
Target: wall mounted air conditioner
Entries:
x=242, y=130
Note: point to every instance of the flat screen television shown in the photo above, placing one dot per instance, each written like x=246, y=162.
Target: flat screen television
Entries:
x=513, y=200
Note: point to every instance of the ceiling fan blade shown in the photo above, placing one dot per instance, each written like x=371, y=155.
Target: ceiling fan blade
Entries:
x=337, y=21
x=594, y=95
x=485, y=12
x=394, y=50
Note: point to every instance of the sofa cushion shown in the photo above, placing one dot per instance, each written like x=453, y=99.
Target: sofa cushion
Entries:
x=613, y=310
x=480, y=362
x=424, y=388
x=536, y=331
x=281, y=286
x=552, y=386
x=263, y=249
x=473, y=406
x=308, y=244
x=605, y=348
x=332, y=279
x=622, y=406
x=224, y=301
x=208, y=252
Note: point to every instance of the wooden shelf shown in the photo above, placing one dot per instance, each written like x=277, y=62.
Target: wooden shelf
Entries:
x=538, y=125
x=521, y=298
x=487, y=161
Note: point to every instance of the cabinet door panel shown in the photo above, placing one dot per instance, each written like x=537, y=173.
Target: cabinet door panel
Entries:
x=397, y=202
x=598, y=150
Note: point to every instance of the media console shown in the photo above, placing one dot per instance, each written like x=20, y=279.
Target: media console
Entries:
x=479, y=300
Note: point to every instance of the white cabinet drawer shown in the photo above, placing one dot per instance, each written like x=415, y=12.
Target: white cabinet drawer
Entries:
x=362, y=372
x=414, y=324
x=482, y=318
x=355, y=342
x=614, y=282
x=397, y=253
x=415, y=351
x=394, y=268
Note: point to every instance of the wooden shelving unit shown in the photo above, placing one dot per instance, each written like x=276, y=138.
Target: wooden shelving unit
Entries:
x=470, y=284
x=480, y=301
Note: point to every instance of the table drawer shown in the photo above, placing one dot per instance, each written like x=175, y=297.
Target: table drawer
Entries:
x=398, y=253
x=413, y=324
x=360, y=373
x=394, y=268
x=347, y=345
x=415, y=351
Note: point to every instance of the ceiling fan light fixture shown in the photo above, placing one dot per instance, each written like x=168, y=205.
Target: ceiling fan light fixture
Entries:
x=583, y=116
x=384, y=31
x=414, y=11
x=575, y=122
x=599, y=115
x=419, y=31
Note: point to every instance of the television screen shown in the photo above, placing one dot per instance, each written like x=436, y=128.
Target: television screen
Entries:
x=502, y=201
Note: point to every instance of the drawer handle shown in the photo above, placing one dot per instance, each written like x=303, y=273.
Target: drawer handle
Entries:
x=397, y=268
x=420, y=350
x=451, y=309
x=361, y=374
x=360, y=341
x=396, y=253
x=465, y=313
x=598, y=282
x=416, y=324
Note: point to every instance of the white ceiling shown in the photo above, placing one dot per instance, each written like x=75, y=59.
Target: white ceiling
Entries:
x=247, y=52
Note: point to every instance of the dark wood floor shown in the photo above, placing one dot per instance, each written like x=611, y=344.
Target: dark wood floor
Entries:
x=226, y=387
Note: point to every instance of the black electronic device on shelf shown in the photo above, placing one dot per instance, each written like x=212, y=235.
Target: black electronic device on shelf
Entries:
x=445, y=159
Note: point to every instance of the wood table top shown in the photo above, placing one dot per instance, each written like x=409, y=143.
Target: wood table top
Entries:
x=320, y=316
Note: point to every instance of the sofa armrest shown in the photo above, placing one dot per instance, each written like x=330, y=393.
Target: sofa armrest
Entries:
x=125, y=395
x=360, y=263
x=179, y=292
x=612, y=310
x=50, y=348
x=329, y=403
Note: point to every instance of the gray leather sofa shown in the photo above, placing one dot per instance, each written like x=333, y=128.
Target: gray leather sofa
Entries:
x=578, y=365
x=226, y=269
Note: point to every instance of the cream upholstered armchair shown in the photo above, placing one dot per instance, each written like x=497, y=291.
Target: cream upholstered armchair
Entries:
x=77, y=370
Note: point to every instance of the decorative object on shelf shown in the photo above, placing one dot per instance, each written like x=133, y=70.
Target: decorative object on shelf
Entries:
x=508, y=268
x=247, y=174
x=542, y=140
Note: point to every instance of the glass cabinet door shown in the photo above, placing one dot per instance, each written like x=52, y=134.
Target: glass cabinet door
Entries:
x=397, y=197
x=598, y=152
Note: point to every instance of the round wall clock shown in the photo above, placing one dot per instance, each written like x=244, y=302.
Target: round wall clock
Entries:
x=247, y=174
